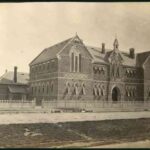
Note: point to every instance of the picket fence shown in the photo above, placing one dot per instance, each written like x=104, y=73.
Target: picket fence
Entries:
x=76, y=105
x=96, y=105
x=17, y=104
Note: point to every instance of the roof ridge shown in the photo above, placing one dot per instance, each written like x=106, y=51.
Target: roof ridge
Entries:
x=59, y=43
x=143, y=52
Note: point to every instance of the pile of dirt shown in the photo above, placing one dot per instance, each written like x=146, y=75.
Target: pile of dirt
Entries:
x=61, y=134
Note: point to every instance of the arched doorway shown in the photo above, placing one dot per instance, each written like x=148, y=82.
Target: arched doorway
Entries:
x=116, y=94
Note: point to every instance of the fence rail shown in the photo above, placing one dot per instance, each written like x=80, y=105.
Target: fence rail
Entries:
x=17, y=104
x=77, y=105
x=97, y=105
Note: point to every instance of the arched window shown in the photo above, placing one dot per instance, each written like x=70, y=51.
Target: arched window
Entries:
x=103, y=90
x=99, y=90
x=75, y=60
x=128, y=92
x=52, y=86
x=43, y=89
x=76, y=63
x=95, y=91
x=80, y=64
x=67, y=90
x=72, y=62
x=39, y=89
x=76, y=89
x=47, y=88
x=83, y=89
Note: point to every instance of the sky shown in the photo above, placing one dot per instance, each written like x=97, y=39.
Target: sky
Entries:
x=27, y=28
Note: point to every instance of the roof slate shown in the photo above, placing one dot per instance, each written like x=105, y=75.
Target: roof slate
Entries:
x=99, y=57
x=50, y=52
x=7, y=78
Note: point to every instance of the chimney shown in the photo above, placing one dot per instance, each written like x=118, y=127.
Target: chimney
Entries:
x=15, y=74
x=132, y=53
x=103, y=48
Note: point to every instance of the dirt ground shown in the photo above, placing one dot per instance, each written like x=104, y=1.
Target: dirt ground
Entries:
x=137, y=144
x=74, y=134
x=25, y=118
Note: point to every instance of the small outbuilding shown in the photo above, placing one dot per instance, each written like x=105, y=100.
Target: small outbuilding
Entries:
x=14, y=85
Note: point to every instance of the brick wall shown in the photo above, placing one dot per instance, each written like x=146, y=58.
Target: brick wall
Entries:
x=146, y=69
x=43, y=70
x=92, y=75
x=45, y=89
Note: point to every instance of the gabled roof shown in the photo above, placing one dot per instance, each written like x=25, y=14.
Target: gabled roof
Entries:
x=141, y=58
x=7, y=78
x=50, y=52
x=99, y=57
x=95, y=52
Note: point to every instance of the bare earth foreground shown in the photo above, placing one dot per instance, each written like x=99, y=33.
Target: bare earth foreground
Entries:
x=115, y=129
x=14, y=118
x=138, y=144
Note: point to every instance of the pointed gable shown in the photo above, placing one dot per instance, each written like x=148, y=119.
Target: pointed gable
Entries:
x=75, y=44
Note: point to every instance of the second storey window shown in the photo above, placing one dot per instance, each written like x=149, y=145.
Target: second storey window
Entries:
x=75, y=61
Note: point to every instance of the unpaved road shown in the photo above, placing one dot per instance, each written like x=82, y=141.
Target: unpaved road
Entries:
x=15, y=118
x=138, y=144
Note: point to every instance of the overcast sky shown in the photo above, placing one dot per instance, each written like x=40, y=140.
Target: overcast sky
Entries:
x=27, y=28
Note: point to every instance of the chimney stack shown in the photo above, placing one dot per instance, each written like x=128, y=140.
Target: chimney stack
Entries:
x=103, y=48
x=132, y=53
x=15, y=74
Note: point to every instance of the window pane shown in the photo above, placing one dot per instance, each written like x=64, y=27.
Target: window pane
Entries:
x=72, y=62
x=79, y=62
x=76, y=64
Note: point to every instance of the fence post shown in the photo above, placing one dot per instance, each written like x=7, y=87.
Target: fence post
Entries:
x=10, y=101
x=22, y=103
x=65, y=104
x=34, y=102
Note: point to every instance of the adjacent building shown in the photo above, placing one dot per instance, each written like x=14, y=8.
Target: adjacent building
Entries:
x=71, y=70
x=14, y=85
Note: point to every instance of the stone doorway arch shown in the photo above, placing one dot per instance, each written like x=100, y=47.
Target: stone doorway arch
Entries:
x=116, y=94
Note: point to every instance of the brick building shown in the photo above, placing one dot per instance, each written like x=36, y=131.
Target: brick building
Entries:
x=14, y=85
x=71, y=70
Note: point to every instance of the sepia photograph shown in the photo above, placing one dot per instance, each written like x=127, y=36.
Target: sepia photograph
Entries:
x=75, y=75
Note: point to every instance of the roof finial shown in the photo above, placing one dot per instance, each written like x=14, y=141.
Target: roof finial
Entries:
x=76, y=34
x=115, y=35
x=116, y=43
